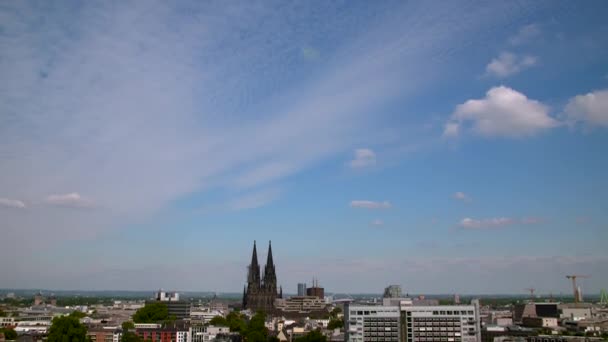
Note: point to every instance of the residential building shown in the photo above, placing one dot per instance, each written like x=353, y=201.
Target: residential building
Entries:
x=104, y=334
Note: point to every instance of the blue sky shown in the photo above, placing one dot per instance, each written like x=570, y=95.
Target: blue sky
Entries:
x=448, y=147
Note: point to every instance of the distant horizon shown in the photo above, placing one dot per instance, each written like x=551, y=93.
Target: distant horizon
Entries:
x=379, y=294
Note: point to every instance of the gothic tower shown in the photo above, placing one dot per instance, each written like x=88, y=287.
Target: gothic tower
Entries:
x=259, y=294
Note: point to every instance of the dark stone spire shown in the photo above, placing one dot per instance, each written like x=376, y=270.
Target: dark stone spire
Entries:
x=270, y=277
x=269, y=259
x=253, y=278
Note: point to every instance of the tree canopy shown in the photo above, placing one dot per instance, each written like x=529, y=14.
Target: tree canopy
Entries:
x=78, y=314
x=67, y=329
x=152, y=313
x=128, y=325
x=9, y=334
x=313, y=336
x=219, y=321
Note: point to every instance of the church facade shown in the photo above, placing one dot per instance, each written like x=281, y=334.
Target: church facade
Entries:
x=260, y=292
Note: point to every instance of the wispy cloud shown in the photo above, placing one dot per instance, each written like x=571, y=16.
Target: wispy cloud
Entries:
x=377, y=223
x=525, y=34
x=503, y=112
x=364, y=157
x=508, y=64
x=461, y=196
x=469, y=223
x=497, y=222
x=370, y=204
x=73, y=200
x=254, y=200
x=11, y=203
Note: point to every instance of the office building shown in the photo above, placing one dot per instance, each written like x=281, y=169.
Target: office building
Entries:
x=301, y=304
x=315, y=290
x=178, y=308
x=364, y=323
x=449, y=323
x=301, y=289
x=392, y=291
x=412, y=323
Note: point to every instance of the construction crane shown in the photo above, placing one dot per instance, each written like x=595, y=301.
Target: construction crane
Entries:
x=531, y=290
x=576, y=291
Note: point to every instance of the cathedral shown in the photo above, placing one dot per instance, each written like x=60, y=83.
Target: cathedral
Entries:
x=259, y=294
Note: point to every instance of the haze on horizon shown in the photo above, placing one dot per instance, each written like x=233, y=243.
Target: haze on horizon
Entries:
x=450, y=147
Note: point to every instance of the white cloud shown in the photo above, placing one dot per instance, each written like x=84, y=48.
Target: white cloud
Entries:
x=525, y=34
x=461, y=196
x=73, y=200
x=590, y=109
x=532, y=220
x=364, y=157
x=377, y=223
x=469, y=223
x=507, y=64
x=254, y=200
x=11, y=203
x=503, y=112
x=370, y=204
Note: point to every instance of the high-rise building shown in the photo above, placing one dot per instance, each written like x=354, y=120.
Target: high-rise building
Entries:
x=364, y=323
x=316, y=290
x=392, y=291
x=412, y=323
x=457, y=323
x=259, y=294
x=178, y=308
x=301, y=289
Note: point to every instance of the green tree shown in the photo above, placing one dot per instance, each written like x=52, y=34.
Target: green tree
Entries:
x=335, y=324
x=219, y=321
x=236, y=322
x=126, y=325
x=152, y=313
x=256, y=329
x=9, y=334
x=2, y=313
x=273, y=339
x=67, y=329
x=313, y=336
x=78, y=314
x=130, y=336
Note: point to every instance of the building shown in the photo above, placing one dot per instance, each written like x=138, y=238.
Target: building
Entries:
x=534, y=310
x=315, y=290
x=260, y=293
x=300, y=304
x=452, y=323
x=174, y=333
x=178, y=308
x=104, y=335
x=301, y=289
x=392, y=291
x=539, y=322
x=38, y=299
x=371, y=323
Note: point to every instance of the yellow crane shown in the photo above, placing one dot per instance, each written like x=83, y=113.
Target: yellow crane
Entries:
x=576, y=292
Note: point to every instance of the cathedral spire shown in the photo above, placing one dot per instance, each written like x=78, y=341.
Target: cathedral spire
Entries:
x=269, y=259
x=253, y=278
x=254, y=256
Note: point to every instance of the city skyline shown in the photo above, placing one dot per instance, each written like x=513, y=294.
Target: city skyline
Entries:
x=448, y=147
